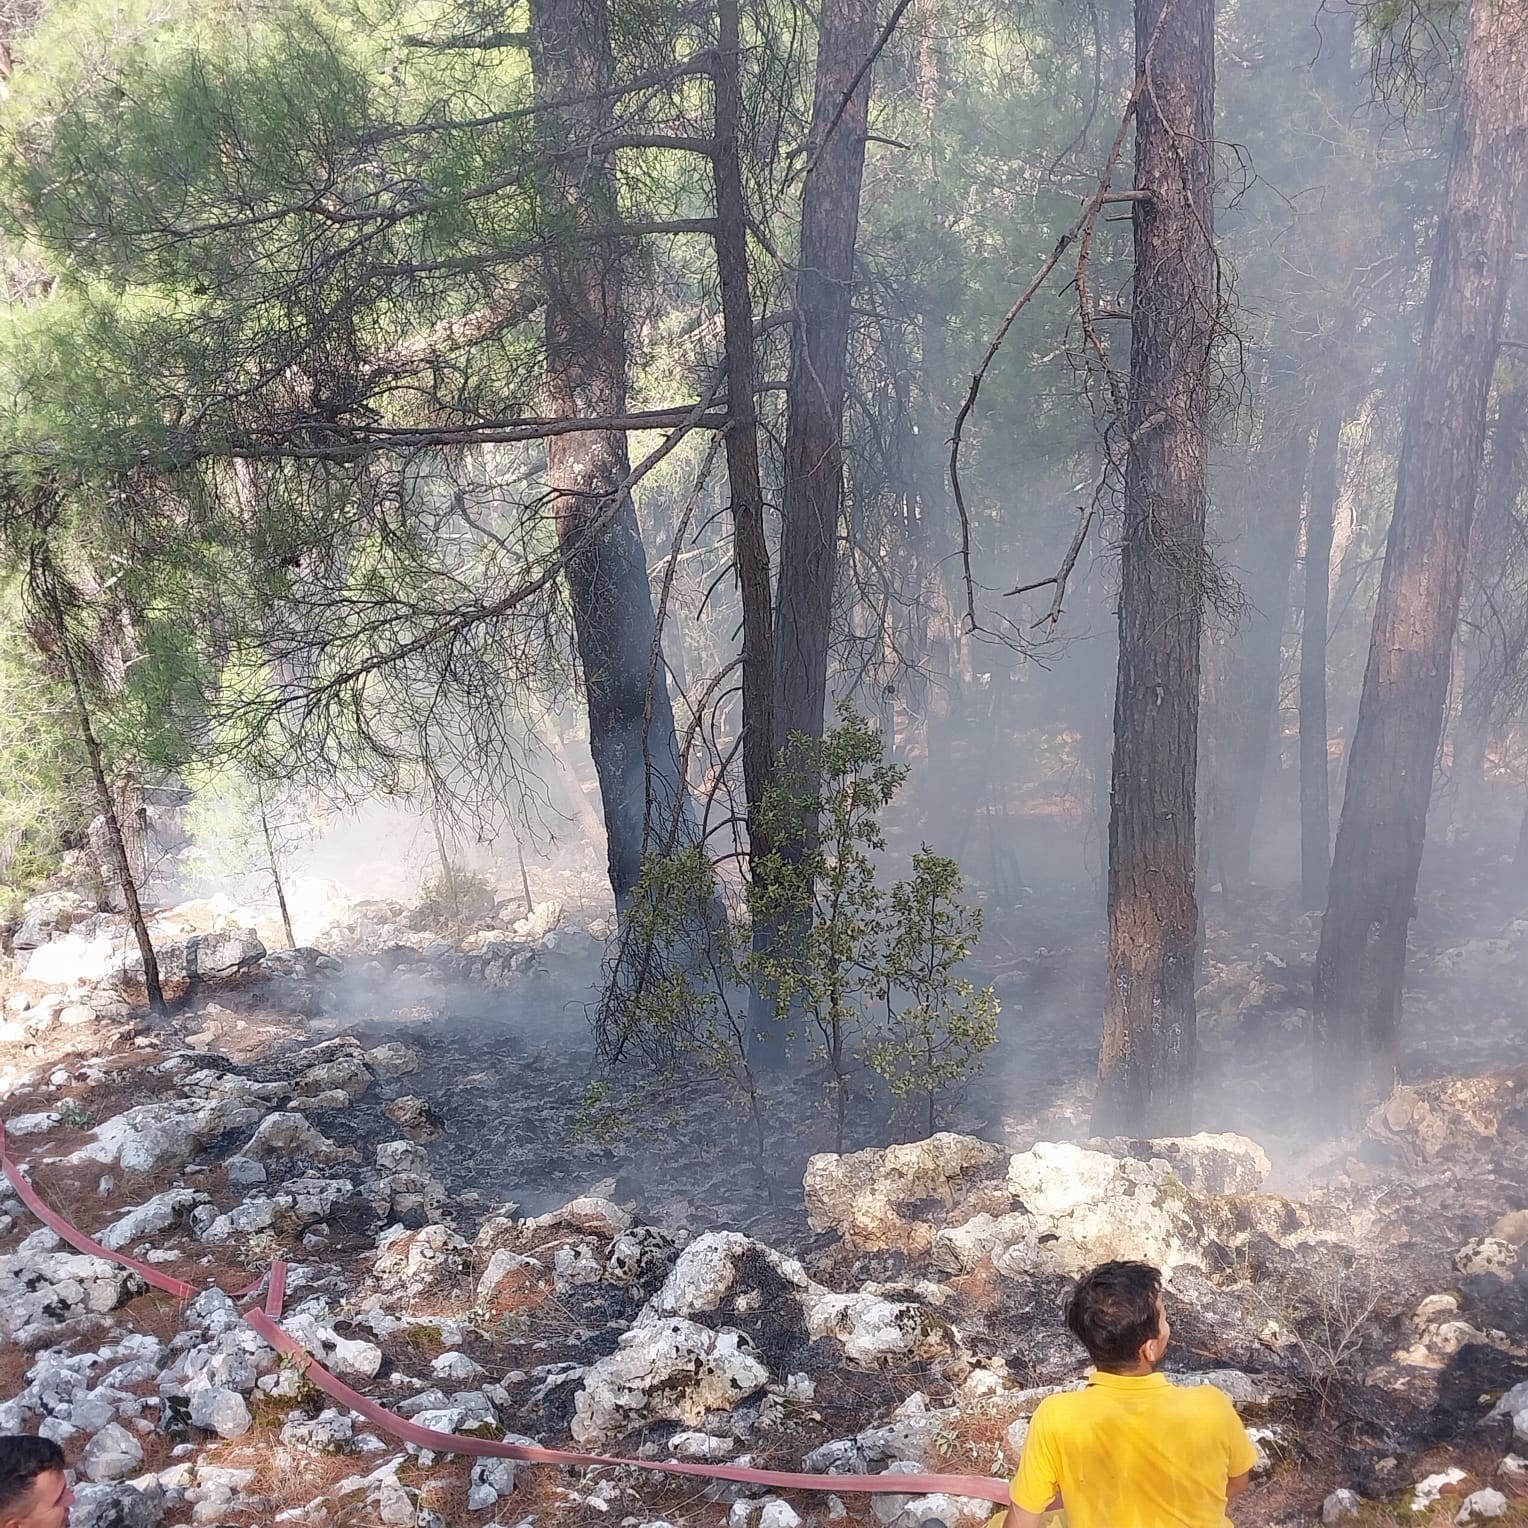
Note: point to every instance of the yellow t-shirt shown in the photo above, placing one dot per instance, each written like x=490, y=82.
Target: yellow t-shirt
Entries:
x=1132, y=1451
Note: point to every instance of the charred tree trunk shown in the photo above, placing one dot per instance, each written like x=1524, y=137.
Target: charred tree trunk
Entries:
x=635, y=754
x=1315, y=783
x=1146, y=1060
x=1361, y=962
x=813, y=487
x=811, y=498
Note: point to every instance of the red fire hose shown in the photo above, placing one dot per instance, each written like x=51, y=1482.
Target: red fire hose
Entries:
x=265, y=1322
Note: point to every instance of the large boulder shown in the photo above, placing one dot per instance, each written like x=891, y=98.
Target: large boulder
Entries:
x=887, y=1197
x=203, y=957
x=1207, y=1163
x=426, y=1261
x=1058, y=1208
x=1453, y=1115
x=116, y=1506
x=670, y=1371
x=152, y=1218
x=49, y=913
x=289, y=1135
x=41, y=1288
x=1089, y=1206
x=783, y=1310
x=78, y=956
x=152, y=1136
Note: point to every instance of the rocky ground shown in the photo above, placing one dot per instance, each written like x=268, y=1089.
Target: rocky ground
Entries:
x=406, y=1119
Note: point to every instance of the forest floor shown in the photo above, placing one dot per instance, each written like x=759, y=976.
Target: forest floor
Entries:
x=474, y=1085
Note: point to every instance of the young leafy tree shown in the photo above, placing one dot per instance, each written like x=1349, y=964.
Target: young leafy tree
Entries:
x=819, y=981
x=936, y=1025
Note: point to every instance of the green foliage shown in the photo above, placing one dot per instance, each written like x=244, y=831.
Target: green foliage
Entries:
x=675, y=993
x=456, y=900
x=936, y=1025
x=816, y=889
x=45, y=796
x=598, y=1121
x=865, y=979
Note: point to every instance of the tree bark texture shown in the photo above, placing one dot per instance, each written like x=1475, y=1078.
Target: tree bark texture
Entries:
x=1315, y=774
x=1146, y=1060
x=1246, y=717
x=812, y=491
x=631, y=732
x=813, y=487
x=1361, y=962
x=750, y=547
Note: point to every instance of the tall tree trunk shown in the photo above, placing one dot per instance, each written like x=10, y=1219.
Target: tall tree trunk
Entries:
x=1491, y=551
x=1361, y=962
x=635, y=755
x=813, y=485
x=750, y=548
x=1270, y=536
x=1315, y=774
x=1146, y=1060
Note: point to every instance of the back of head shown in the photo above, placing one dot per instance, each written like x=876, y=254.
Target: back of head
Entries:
x=1114, y=1312
x=22, y=1459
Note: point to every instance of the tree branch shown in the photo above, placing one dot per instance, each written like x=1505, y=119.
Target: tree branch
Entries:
x=875, y=52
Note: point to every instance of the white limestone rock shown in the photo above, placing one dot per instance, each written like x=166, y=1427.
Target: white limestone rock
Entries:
x=152, y=1218
x=112, y=1454
x=150, y=1137
x=674, y=1371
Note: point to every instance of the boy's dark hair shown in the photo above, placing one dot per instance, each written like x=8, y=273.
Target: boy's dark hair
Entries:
x=1113, y=1312
x=22, y=1459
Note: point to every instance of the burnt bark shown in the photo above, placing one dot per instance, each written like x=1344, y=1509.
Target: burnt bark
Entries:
x=1146, y=1060
x=813, y=487
x=631, y=732
x=1361, y=962
x=1315, y=775
x=812, y=491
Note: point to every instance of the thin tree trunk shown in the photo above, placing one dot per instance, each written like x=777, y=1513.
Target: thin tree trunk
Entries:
x=636, y=758
x=813, y=486
x=1269, y=543
x=1520, y=853
x=1315, y=773
x=1146, y=1060
x=588, y=819
x=1361, y=962
x=108, y=807
x=751, y=550
x=1491, y=550
x=270, y=854
x=525, y=880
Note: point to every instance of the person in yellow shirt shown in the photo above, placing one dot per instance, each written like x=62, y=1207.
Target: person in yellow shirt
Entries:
x=1130, y=1450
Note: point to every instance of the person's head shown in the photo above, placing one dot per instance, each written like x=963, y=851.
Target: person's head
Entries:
x=33, y=1491
x=1116, y=1313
